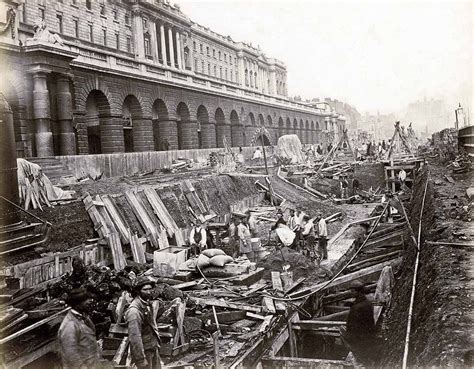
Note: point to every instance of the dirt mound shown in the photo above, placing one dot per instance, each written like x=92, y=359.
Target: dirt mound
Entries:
x=301, y=266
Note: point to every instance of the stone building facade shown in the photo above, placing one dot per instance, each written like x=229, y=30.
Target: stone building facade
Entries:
x=139, y=75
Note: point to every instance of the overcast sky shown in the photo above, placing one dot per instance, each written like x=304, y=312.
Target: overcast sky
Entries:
x=374, y=55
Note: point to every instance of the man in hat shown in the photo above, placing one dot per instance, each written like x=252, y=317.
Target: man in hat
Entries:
x=359, y=333
x=78, y=346
x=142, y=328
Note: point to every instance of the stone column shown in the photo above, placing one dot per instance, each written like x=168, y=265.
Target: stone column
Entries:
x=221, y=131
x=8, y=166
x=189, y=134
x=163, y=44
x=171, y=47
x=208, y=135
x=183, y=59
x=237, y=135
x=67, y=138
x=154, y=41
x=241, y=69
x=143, y=134
x=111, y=134
x=178, y=51
x=42, y=115
x=249, y=134
x=81, y=132
x=169, y=131
x=138, y=32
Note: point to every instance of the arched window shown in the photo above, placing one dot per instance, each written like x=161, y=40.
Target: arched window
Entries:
x=246, y=77
x=251, y=79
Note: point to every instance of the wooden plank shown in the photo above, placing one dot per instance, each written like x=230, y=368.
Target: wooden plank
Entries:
x=104, y=215
x=117, y=218
x=295, y=284
x=366, y=272
x=255, y=316
x=292, y=362
x=138, y=250
x=268, y=306
x=265, y=324
x=95, y=216
x=143, y=218
x=226, y=304
x=185, y=285
x=122, y=350
x=315, y=324
x=276, y=281
x=113, y=240
x=32, y=326
x=161, y=212
x=225, y=316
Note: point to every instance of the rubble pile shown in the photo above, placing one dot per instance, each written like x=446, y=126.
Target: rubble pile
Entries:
x=445, y=143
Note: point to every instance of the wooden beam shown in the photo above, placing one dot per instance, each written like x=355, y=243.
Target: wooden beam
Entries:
x=313, y=324
x=366, y=272
x=292, y=362
x=225, y=304
x=33, y=326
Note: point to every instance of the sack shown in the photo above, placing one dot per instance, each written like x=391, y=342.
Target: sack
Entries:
x=203, y=261
x=213, y=252
x=221, y=260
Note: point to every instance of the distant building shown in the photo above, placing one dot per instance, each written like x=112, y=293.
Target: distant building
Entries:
x=428, y=116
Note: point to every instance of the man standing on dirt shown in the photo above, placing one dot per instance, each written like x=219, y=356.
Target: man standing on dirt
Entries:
x=344, y=187
x=322, y=237
x=198, y=238
x=142, y=328
x=359, y=333
x=243, y=235
x=76, y=336
x=309, y=237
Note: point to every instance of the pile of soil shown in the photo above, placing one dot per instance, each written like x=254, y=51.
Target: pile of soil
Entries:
x=442, y=320
x=301, y=266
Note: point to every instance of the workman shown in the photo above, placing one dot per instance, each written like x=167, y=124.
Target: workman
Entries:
x=344, y=187
x=286, y=236
x=293, y=220
x=233, y=239
x=78, y=346
x=198, y=238
x=243, y=235
x=359, y=333
x=252, y=223
x=309, y=237
x=142, y=329
x=355, y=186
x=322, y=237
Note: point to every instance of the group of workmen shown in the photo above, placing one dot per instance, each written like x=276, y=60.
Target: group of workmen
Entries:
x=77, y=340
x=303, y=234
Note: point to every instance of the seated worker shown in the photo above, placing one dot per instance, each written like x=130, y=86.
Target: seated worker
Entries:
x=198, y=239
x=286, y=236
x=309, y=237
x=360, y=332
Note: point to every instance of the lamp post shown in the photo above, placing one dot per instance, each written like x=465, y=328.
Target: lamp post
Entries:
x=261, y=132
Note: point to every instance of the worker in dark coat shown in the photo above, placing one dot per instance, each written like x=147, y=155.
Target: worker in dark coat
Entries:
x=78, y=346
x=142, y=328
x=360, y=330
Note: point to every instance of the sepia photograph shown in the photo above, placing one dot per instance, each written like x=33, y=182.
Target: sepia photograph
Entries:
x=236, y=184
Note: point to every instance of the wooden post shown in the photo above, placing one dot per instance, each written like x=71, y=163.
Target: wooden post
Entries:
x=266, y=166
x=215, y=338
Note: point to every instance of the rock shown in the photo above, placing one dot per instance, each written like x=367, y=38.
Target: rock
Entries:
x=470, y=192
